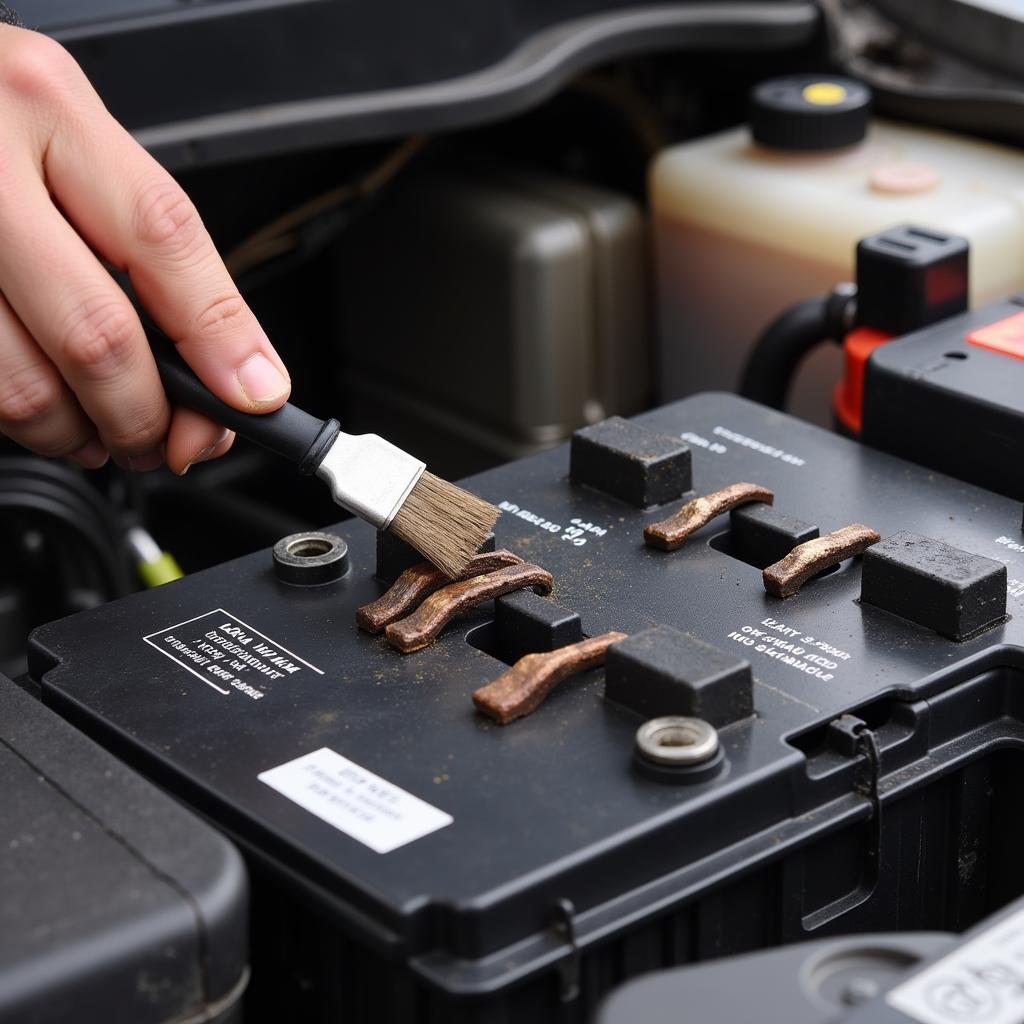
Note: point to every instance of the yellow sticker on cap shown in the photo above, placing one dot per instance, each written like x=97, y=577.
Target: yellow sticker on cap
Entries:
x=824, y=94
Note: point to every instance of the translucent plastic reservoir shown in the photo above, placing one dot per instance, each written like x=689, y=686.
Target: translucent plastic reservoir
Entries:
x=743, y=231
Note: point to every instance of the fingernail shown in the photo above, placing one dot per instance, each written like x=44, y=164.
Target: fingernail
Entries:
x=261, y=380
x=145, y=462
x=204, y=453
x=91, y=455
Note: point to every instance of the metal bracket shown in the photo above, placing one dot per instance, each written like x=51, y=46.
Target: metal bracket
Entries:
x=854, y=738
x=865, y=782
x=569, y=967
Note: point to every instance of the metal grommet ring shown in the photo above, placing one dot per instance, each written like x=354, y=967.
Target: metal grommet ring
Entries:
x=677, y=741
x=309, y=559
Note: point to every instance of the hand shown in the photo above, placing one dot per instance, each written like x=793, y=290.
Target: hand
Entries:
x=76, y=374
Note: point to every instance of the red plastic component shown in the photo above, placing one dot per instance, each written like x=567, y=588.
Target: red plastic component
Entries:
x=848, y=397
x=1005, y=336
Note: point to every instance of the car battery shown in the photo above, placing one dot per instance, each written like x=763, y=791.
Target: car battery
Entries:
x=951, y=396
x=414, y=861
x=116, y=903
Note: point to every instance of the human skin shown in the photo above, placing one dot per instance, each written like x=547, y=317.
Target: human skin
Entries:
x=77, y=377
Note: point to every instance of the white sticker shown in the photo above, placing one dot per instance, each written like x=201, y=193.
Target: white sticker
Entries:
x=982, y=982
x=228, y=654
x=359, y=803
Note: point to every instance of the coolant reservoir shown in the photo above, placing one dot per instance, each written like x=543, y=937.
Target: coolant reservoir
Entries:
x=753, y=219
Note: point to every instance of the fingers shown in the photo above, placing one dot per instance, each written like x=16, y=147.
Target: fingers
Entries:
x=138, y=218
x=193, y=438
x=37, y=409
x=74, y=360
x=82, y=321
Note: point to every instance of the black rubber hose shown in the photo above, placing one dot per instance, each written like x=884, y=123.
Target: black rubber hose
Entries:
x=62, y=504
x=773, y=362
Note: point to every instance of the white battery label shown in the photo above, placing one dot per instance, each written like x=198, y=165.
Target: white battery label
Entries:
x=355, y=801
x=228, y=654
x=981, y=982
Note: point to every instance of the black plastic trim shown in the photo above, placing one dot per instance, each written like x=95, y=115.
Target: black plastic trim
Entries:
x=327, y=88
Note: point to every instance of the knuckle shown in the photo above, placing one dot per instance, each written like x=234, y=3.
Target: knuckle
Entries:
x=37, y=68
x=136, y=435
x=222, y=315
x=27, y=395
x=100, y=337
x=166, y=219
x=58, y=447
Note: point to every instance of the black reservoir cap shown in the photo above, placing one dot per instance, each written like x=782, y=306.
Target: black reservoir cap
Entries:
x=909, y=277
x=810, y=112
x=663, y=671
x=630, y=462
x=952, y=591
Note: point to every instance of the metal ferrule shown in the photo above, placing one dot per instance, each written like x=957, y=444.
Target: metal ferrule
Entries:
x=369, y=476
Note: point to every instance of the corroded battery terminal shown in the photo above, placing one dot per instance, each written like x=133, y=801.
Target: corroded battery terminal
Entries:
x=523, y=688
x=788, y=575
x=421, y=629
x=669, y=534
x=419, y=582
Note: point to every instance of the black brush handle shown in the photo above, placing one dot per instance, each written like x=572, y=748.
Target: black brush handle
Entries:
x=288, y=431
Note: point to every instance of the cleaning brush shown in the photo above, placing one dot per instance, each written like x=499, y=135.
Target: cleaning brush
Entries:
x=367, y=475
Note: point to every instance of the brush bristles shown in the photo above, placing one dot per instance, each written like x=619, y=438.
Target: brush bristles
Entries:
x=444, y=523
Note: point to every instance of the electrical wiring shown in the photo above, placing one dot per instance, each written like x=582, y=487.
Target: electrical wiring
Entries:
x=285, y=234
x=773, y=361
